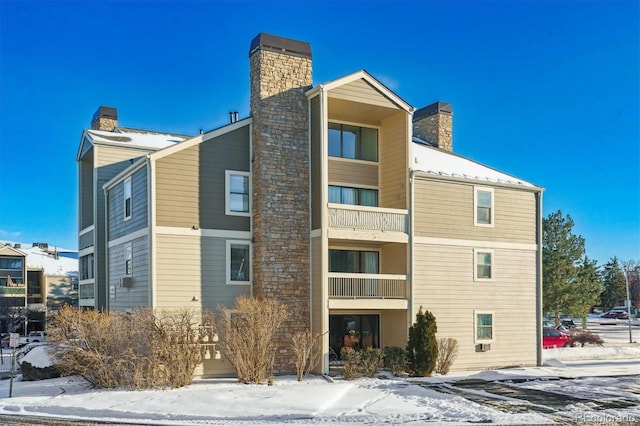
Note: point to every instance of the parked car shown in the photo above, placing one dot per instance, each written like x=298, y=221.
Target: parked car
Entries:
x=552, y=338
x=34, y=337
x=615, y=314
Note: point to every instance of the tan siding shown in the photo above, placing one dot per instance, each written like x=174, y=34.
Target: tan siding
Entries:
x=393, y=328
x=361, y=91
x=111, y=154
x=393, y=259
x=445, y=210
x=316, y=164
x=353, y=173
x=317, y=311
x=190, y=184
x=444, y=285
x=393, y=161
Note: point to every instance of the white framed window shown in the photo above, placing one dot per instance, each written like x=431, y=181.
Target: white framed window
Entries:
x=483, y=265
x=128, y=259
x=483, y=212
x=238, y=265
x=127, y=198
x=483, y=327
x=238, y=193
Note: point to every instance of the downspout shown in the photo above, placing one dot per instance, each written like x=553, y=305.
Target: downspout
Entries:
x=539, y=304
x=151, y=229
x=411, y=248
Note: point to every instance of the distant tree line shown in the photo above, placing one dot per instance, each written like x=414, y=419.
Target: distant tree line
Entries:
x=573, y=284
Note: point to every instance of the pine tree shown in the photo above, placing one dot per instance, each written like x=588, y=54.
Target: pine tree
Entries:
x=570, y=283
x=422, y=348
x=615, y=288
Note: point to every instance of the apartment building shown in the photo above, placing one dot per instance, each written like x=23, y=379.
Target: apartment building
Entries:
x=341, y=200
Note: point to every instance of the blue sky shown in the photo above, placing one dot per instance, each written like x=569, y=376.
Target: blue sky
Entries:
x=547, y=91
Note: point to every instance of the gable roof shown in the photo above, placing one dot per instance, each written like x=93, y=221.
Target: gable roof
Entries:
x=6, y=250
x=129, y=138
x=430, y=160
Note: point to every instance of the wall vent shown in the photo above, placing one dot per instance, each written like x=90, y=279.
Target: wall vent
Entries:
x=483, y=347
x=126, y=282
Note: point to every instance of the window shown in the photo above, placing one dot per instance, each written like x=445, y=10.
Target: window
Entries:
x=484, y=206
x=238, y=262
x=353, y=196
x=359, y=143
x=86, y=267
x=237, y=189
x=353, y=261
x=484, y=262
x=128, y=259
x=484, y=326
x=13, y=263
x=127, y=198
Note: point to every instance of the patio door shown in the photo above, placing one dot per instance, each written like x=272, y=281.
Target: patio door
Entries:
x=355, y=331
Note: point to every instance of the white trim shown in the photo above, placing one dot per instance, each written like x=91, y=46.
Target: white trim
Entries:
x=213, y=233
x=129, y=237
x=359, y=304
x=87, y=281
x=368, y=235
x=354, y=186
x=128, y=257
x=366, y=208
x=86, y=230
x=476, y=189
x=475, y=243
x=227, y=265
x=227, y=192
x=475, y=326
x=128, y=182
x=316, y=233
x=491, y=265
x=128, y=172
x=86, y=251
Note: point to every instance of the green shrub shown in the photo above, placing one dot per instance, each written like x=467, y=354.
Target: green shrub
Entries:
x=350, y=362
x=395, y=360
x=370, y=360
x=422, y=348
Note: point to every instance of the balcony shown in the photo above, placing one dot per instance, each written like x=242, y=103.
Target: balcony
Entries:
x=367, y=286
x=10, y=291
x=368, y=223
x=87, y=291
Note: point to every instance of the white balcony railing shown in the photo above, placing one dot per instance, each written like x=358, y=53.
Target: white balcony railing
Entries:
x=367, y=286
x=368, y=218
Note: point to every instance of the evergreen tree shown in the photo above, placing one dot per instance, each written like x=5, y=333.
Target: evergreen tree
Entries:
x=422, y=348
x=615, y=288
x=570, y=281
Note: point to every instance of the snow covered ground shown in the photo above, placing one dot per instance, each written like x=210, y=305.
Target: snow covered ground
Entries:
x=588, y=384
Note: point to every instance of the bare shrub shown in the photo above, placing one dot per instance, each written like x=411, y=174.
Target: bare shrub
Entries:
x=447, y=354
x=395, y=359
x=247, y=336
x=583, y=337
x=370, y=360
x=305, y=347
x=350, y=362
x=138, y=350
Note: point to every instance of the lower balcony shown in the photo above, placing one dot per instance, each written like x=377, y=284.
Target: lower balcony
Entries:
x=368, y=223
x=367, y=286
x=12, y=291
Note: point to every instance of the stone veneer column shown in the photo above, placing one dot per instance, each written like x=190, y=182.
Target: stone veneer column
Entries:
x=434, y=123
x=280, y=71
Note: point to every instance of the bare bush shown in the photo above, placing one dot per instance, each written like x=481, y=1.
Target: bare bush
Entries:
x=583, y=337
x=138, y=350
x=447, y=354
x=350, y=362
x=247, y=336
x=370, y=360
x=305, y=347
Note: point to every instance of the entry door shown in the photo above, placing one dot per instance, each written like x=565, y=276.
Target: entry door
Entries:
x=356, y=331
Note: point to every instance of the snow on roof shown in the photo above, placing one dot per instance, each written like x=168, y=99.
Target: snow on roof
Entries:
x=38, y=258
x=129, y=137
x=443, y=163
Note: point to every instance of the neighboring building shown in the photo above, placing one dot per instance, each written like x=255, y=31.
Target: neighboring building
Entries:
x=13, y=288
x=51, y=281
x=340, y=200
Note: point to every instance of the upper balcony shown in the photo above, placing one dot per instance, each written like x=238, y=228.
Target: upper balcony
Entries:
x=368, y=223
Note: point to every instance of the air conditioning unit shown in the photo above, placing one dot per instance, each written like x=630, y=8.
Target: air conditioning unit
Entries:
x=483, y=347
x=126, y=282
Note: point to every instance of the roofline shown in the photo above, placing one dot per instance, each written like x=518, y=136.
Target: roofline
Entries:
x=420, y=174
x=200, y=138
x=362, y=74
x=18, y=252
x=135, y=166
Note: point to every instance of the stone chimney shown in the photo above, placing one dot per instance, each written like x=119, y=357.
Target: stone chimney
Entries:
x=434, y=123
x=280, y=72
x=105, y=118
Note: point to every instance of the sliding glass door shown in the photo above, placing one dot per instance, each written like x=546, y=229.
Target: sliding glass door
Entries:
x=355, y=331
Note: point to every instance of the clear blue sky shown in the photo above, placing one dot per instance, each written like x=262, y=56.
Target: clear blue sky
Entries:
x=547, y=91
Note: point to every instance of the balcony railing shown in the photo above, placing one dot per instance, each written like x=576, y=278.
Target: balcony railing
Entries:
x=86, y=291
x=368, y=218
x=13, y=290
x=367, y=286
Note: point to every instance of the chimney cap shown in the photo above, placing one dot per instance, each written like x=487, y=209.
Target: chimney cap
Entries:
x=105, y=112
x=273, y=43
x=434, y=108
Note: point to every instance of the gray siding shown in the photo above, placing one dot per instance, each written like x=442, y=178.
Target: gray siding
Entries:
x=190, y=184
x=444, y=209
x=138, y=294
x=118, y=226
x=193, y=267
x=85, y=190
x=85, y=240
